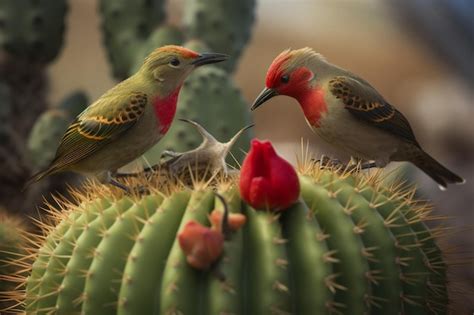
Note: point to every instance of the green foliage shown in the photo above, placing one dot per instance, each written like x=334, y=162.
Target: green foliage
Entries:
x=50, y=127
x=348, y=246
x=32, y=29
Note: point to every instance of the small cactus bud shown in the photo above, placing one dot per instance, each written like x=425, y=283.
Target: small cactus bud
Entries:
x=201, y=245
x=266, y=179
x=235, y=220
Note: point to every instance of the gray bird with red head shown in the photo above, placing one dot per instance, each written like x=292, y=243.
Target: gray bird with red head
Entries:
x=347, y=112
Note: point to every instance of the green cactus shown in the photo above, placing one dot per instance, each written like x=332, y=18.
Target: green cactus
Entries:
x=32, y=29
x=225, y=26
x=210, y=98
x=350, y=245
x=50, y=127
x=11, y=248
x=126, y=26
x=31, y=36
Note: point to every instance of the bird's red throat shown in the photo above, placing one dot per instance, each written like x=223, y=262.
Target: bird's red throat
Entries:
x=313, y=104
x=165, y=109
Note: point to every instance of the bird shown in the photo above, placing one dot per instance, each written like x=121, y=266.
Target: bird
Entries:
x=129, y=118
x=348, y=112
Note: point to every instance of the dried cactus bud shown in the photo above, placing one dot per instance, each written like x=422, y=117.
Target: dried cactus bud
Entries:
x=201, y=245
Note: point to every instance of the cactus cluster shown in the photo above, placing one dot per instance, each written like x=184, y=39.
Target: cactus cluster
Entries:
x=133, y=30
x=349, y=245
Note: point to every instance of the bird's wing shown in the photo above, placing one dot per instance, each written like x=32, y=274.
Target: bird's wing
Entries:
x=97, y=126
x=367, y=105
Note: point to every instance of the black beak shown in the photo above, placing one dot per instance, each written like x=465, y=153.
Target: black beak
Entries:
x=208, y=58
x=264, y=96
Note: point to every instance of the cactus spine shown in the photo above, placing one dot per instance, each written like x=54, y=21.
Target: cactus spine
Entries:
x=11, y=249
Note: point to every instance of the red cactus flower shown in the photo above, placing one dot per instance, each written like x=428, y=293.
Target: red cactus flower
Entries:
x=236, y=220
x=266, y=179
x=201, y=245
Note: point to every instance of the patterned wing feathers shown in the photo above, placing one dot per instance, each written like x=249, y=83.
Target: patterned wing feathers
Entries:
x=364, y=102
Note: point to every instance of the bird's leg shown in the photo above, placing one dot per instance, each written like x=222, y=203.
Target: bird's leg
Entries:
x=141, y=190
x=327, y=162
x=368, y=165
x=114, y=182
x=356, y=165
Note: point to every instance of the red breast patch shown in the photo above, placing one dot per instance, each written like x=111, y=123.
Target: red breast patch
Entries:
x=165, y=109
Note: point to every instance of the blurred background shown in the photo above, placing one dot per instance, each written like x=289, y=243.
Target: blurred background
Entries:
x=418, y=54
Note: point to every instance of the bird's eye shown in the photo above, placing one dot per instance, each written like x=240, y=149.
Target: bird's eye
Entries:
x=175, y=62
x=285, y=78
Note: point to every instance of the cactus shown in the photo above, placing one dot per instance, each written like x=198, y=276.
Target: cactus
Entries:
x=130, y=30
x=350, y=245
x=32, y=29
x=126, y=26
x=50, y=127
x=225, y=26
x=5, y=103
x=11, y=248
x=31, y=36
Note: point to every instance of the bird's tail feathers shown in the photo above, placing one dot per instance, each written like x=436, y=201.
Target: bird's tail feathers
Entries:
x=436, y=171
x=38, y=176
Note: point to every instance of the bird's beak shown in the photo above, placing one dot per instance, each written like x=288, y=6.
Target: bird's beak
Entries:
x=264, y=96
x=208, y=58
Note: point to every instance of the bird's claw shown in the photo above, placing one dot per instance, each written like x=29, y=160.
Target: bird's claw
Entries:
x=327, y=162
x=139, y=190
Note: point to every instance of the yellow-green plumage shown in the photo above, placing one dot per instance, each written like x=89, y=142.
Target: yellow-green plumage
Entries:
x=129, y=118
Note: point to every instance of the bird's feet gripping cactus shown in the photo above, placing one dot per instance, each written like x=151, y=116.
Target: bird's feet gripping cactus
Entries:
x=346, y=244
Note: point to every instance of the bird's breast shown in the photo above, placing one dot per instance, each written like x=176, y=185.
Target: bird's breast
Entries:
x=165, y=109
x=314, y=106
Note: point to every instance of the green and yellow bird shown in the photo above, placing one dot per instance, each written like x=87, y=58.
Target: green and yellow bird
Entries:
x=129, y=118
